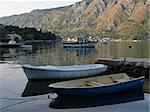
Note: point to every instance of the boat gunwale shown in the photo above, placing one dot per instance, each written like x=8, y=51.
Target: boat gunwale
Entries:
x=63, y=70
x=93, y=87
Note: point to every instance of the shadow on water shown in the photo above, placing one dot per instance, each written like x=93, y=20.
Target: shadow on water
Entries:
x=38, y=87
x=34, y=88
x=62, y=102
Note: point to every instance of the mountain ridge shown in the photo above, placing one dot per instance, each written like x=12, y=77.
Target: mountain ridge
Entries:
x=93, y=17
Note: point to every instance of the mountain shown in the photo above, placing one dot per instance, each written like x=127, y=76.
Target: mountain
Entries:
x=94, y=17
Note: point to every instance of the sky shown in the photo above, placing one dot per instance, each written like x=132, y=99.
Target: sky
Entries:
x=14, y=7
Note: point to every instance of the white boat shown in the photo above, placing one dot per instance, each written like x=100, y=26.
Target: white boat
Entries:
x=63, y=72
x=82, y=42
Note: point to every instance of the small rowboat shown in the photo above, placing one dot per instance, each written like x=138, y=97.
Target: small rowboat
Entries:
x=69, y=102
x=97, y=85
x=63, y=72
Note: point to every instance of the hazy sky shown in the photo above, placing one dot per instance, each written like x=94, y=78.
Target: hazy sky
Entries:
x=12, y=7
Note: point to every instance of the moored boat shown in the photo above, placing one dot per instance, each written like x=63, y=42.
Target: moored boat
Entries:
x=97, y=85
x=69, y=102
x=78, y=45
x=6, y=45
x=82, y=42
x=63, y=72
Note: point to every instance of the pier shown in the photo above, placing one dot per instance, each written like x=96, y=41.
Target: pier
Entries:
x=132, y=66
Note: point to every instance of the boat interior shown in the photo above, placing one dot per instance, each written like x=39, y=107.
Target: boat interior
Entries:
x=94, y=81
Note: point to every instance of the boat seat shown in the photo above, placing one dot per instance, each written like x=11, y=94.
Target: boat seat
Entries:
x=93, y=83
x=120, y=77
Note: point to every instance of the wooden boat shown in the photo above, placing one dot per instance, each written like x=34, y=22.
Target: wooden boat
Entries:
x=69, y=102
x=97, y=85
x=63, y=72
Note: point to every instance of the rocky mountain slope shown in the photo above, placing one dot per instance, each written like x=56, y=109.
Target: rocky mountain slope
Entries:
x=94, y=17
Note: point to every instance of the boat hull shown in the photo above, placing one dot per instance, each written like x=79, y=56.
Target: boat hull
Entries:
x=101, y=90
x=10, y=45
x=66, y=102
x=43, y=74
x=79, y=45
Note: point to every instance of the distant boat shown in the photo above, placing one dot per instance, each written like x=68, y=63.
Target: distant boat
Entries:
x=63, y=72
x=8, y=45
x=103, y=41
x=82, y=42
x=97, y=85
x=79, y=45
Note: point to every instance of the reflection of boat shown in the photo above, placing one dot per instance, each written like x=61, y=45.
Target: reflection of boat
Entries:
x=82, y=42
x=98, y=100
x=81, y=51
x=34, y=88
x=63, y=72
x=12, y=42
x=9, y=53
x=97, y=85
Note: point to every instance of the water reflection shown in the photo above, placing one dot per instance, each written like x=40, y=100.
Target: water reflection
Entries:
x=34, y=88
x=62, y=102
x=54, y=54
x=81, y=52
x=11, y=53
x=135, y=49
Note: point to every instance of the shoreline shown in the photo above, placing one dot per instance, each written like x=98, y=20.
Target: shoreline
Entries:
x=127, y=59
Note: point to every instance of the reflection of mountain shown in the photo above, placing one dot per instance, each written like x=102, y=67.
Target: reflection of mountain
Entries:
x=81, y=51
x=135, y=49
x=91, y=101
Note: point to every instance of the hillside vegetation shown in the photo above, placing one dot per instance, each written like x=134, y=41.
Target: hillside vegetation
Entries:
x=26, y=33
x=123, y=18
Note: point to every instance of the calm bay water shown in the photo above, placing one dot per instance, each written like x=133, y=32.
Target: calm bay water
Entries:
x=55, y=54
x=17, y=94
